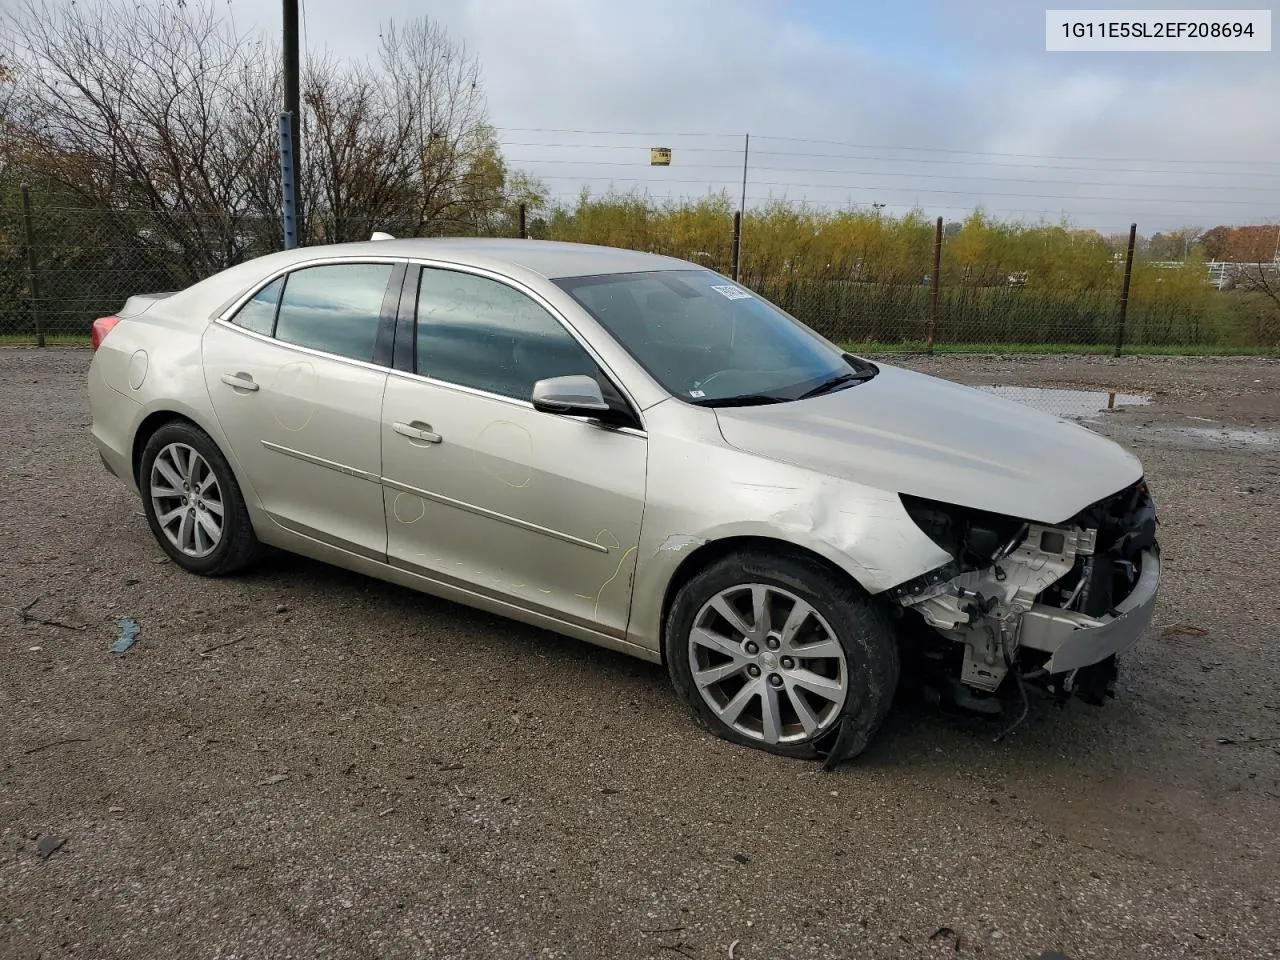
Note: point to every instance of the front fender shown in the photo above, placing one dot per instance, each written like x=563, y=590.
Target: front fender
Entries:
x=701, y=491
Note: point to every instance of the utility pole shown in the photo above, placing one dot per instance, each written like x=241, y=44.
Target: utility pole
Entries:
x=737, y=243
x=935, y=286
x=293, y=100
x=742, y=210
x=1124, y=290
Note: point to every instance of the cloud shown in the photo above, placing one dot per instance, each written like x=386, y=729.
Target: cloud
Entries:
x=694, y=75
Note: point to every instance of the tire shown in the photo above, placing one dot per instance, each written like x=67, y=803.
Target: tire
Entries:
x=859, y=624
x=237, y=546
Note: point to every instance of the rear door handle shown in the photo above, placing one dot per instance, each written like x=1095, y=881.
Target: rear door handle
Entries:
x=417, y=431
x=240, y=381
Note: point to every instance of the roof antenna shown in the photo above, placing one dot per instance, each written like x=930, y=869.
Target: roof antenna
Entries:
x=379, y=235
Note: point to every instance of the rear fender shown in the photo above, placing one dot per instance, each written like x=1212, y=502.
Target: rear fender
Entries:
x=158, y=364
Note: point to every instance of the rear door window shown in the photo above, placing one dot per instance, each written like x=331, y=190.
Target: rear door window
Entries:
x=334, y=308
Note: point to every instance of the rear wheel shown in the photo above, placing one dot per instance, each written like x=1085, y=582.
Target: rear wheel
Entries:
x=780, y=653
x=193, y=503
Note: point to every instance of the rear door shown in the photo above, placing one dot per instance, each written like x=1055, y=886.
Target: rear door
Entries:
x=296, y=375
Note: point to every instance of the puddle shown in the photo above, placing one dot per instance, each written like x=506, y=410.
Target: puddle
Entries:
x=1231, y=436
x=1078, y=404
x=1085, y=405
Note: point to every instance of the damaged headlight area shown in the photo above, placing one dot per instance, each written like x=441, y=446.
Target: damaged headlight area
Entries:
x=1052, y=603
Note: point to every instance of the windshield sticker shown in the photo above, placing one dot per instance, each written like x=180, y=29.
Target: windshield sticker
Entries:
x=730, y=291
x=697, y=393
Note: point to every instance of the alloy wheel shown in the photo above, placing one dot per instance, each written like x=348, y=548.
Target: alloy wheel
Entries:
x=187, y=500
x=768, y=664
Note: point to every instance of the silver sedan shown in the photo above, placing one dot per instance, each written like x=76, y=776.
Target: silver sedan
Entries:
x=640, y=453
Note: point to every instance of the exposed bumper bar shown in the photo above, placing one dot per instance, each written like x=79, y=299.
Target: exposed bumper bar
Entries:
x=1076, y=640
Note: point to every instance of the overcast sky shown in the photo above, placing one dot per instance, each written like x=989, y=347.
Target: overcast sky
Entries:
x=944, y=105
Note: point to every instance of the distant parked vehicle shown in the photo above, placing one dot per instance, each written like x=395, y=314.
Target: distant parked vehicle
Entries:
x=634, y=451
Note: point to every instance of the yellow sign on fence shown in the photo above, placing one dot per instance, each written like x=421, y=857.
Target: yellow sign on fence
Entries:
x=659, y=156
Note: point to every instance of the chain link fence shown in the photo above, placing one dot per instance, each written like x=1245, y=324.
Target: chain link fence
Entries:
x=88, y=261
x=1015, y=316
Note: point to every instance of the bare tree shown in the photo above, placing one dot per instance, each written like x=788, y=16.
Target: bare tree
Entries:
x=357, y=163
x=156, y=108
x=166, y=108
x=1259, y=283
x=404, y=144
x=435, y=85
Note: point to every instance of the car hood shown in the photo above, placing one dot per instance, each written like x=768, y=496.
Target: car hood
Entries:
x=910, y=433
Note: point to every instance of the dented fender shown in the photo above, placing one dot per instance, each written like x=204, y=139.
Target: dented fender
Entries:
x=701, y=491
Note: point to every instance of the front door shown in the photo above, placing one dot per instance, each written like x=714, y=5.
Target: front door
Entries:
x=295, y=389
x=486, y=493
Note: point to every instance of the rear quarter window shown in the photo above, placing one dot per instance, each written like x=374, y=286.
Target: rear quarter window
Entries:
x=259, y=313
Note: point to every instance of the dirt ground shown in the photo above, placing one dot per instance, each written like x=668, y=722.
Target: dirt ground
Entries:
x=305, y=763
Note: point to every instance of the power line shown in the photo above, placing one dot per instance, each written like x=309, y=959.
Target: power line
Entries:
x=867, y=146
x=1019, y=166
x=950, y=163
x=931, y=176
x=618, y=133
x=904, y=189
x=1031, y=156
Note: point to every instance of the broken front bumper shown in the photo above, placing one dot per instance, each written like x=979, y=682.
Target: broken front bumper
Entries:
x=1075, y=640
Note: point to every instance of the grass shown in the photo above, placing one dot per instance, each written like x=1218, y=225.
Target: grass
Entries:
x=1078, y=349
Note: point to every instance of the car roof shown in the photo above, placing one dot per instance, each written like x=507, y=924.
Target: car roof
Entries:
x=547, y=258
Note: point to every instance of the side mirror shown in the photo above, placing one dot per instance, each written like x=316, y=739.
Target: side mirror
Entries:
x=577, y=395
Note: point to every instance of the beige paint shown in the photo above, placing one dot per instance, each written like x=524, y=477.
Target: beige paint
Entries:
x=538, y=516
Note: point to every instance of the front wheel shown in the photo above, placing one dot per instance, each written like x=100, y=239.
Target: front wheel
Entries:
x=781, y=653
x=193, y=503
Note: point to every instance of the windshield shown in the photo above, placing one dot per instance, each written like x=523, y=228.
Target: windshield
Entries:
x=709, y=341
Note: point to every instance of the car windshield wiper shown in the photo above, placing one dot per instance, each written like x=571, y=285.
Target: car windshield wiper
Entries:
x=746, y=400
x=837, y=381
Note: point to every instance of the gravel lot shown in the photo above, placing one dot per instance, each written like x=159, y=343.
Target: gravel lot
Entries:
x=306, y=763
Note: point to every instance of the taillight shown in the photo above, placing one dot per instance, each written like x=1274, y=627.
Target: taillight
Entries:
x=101, y=327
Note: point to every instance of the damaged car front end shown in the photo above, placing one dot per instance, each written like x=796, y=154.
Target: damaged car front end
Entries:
x=1049, y=603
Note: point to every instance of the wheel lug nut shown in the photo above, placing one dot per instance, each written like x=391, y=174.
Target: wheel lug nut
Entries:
x=787, y=663
x=772, y=643
x=775, y=680
x=752, y=648
x=753, y=670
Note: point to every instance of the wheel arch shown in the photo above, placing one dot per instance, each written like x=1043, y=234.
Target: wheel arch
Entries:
x=146, y=430
x=713, y=551
x=156, y=418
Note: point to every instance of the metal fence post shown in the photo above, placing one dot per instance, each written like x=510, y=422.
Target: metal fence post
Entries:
x=1124, y=291
x=737, y=243
x=33, y=278
x=935, y=285
x=288, y=188
x=524, y=233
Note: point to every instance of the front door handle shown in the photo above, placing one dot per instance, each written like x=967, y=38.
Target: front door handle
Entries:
x=417, y=431
x=240, y=381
